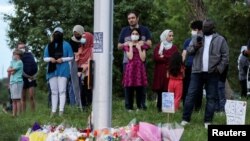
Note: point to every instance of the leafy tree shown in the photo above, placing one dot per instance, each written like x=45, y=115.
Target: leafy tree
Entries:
x=32, y=17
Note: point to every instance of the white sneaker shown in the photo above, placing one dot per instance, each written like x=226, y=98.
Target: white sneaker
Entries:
x=60, y=113
x=206, y=124
x=184, y=123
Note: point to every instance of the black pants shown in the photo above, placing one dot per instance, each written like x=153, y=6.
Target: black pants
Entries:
x=186, y=82
x=130, y=97
x=243, y=85
x=86, y=93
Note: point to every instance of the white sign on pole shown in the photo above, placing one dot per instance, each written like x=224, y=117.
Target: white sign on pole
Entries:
x=235, y=112
x=168, y=102
x=98, y=42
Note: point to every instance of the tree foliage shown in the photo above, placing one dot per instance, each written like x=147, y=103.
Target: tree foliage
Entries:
x=32, y=17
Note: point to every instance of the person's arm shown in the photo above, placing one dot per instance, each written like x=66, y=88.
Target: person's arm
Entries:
x=46, y=57
x=121, y=39
x=224, y=57
x=157, y=56
x=129, y=52
x=148, y=38
x=142, y=52
x=69, y=53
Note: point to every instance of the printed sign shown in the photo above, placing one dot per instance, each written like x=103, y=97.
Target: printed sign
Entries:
x=235, y=112
x=98, y=42
x=168, y=102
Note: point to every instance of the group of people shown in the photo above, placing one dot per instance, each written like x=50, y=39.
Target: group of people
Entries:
x=68, y=65
x=22, y=79
x=200, y=65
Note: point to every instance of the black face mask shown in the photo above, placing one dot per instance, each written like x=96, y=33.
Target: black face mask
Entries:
x=208, y=28
x=207, y=33
x=78, y=37
x=58, y=37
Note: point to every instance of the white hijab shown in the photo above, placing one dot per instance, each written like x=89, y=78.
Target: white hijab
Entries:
x=164, y=43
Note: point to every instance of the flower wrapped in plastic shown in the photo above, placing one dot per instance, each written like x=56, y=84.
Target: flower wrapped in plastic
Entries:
x=171, y=132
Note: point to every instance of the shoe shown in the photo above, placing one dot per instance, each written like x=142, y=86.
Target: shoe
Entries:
x=184, y=123
x=52, y=114
x=129, y=110
x=206, y=124
x=60, y=113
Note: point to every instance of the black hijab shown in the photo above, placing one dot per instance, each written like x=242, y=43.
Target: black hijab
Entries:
x=55, y=51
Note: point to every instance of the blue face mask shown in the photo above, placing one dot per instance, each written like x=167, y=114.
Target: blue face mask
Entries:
x=83, y=41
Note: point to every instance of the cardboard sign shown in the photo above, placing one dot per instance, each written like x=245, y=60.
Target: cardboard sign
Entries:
x=168, y=102
x=235, y=112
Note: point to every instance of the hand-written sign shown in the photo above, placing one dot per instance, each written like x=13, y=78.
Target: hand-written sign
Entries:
x=168, y=102
x=235, y=112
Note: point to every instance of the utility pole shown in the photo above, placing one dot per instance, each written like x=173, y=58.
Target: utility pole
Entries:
x=103, y=53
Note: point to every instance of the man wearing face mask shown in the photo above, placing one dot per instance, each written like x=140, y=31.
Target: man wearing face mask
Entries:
x=74, y=84
x=124, y=38
x=29, y=76
x=196, y=32
x=211, y=57
x=58, y=53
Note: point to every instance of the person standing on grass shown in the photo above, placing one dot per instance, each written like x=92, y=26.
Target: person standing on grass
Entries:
x=83, y=57
x=135, y=77
x=210, y=60
x=57, y=54
x=74, y=84
x=29, y=76
x=16, y=81
x=196, y=31
x=125, y=37
x=162, y=54
x=175, y=74
x=243, y=64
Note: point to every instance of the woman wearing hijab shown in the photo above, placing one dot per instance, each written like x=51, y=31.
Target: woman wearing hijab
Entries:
x=83, y=57
x=162, y=53
x=57, y=54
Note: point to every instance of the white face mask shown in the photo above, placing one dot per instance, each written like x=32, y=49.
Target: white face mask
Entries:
x=22, y=49
x=134, y=37
x=82, y=40
x=194, y=33
x=13, y=57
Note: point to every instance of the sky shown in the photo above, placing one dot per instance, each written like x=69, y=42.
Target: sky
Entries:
x=5, y=52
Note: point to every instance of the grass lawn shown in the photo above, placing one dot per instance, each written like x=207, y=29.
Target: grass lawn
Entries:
x=12, y=128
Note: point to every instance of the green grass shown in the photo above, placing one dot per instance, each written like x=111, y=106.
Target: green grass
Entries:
x=12, y=128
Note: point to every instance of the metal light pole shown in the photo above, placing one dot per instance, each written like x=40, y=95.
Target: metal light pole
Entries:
x=103, y=53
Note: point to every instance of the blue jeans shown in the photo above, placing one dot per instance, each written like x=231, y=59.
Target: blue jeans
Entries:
x=221, y=101
x=72, y=98
x=198, y=80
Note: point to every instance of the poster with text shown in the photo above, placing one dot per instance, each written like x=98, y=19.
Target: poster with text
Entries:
x=235, y=112
x=168, y=102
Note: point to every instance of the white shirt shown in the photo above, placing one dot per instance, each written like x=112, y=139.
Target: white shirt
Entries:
x=205, y=57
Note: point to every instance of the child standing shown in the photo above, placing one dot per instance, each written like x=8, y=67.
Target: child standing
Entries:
x=16, y=81
x=135, y=76
x=175, y=74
